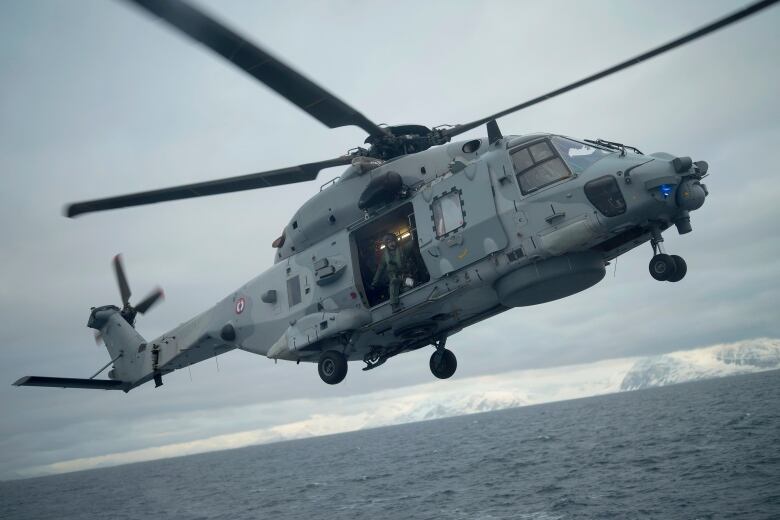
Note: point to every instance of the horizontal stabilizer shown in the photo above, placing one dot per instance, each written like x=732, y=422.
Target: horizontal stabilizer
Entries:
x=70, y=382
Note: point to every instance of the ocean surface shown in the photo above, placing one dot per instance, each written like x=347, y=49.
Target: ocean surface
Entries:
x=709, y=449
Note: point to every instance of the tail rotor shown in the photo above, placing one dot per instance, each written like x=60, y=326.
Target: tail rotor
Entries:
x=130, y=311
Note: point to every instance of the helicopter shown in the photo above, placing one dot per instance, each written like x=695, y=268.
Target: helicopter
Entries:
x=480, y=225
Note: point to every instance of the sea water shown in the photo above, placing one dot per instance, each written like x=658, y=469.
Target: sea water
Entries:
x=709, y=449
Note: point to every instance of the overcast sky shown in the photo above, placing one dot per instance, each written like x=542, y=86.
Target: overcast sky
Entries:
x=97, y=98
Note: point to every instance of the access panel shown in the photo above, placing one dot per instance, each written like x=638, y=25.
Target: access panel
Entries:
x=457, y=221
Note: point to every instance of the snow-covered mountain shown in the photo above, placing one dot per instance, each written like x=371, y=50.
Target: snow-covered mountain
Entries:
x=438, y=408
x=742, y=357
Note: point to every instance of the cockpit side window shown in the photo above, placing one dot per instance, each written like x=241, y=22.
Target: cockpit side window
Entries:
x=541, y=151
x=579, y=156
x=522, y=160
x=538, y=165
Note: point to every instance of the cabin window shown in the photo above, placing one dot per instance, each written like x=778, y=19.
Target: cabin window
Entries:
x=294, y=290
x=537, y=166
x=448, y=214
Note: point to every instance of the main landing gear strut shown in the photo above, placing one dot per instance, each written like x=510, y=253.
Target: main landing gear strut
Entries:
x=443, y=362
x=663, y=267
x=332, y=366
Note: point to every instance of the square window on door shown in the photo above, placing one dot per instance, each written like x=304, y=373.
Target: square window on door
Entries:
x=448, y=213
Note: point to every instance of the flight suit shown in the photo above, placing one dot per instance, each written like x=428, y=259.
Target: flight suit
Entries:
x=394, y=264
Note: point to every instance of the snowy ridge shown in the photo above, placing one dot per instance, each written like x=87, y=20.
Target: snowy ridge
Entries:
x=742, y=357
x=463, y=405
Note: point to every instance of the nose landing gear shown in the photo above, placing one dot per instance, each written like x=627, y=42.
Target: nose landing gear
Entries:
x=663, y=267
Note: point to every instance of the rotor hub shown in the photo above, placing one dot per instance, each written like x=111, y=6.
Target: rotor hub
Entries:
x=402, y=140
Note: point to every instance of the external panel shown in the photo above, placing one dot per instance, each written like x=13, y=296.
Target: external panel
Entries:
x=457, y=220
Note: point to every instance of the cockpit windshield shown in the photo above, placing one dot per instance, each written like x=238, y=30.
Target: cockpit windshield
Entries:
x=579, y=156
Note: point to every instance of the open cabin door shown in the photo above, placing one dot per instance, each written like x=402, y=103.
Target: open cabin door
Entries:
x=457, y=223
x=369, y=251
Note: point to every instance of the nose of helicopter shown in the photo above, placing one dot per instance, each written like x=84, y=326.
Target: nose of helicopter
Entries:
x=683, y=189
x=661, y=189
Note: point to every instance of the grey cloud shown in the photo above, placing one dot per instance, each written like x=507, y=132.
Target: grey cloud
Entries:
x=99, y=99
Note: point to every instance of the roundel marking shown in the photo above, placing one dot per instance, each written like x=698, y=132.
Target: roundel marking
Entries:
x=240, y=304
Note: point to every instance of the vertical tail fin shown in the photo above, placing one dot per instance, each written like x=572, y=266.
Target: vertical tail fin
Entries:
x=122, y=341
x=117, y=328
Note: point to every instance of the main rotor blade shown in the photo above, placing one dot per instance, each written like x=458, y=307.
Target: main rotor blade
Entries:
x=307, y=95
x=150, y=300
x=293, y=174
x=124, y=288
x=707, y=29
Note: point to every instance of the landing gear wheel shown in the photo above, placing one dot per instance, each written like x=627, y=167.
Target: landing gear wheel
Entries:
x=332, y=367
x=662, y=267
x=680, y=268
x=443, y=363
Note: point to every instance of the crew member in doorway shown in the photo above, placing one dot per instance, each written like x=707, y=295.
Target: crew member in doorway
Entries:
x=394, y=262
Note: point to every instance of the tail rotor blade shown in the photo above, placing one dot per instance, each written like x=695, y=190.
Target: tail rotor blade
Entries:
x=98, y=338
x=145, y=304
x=124, y=288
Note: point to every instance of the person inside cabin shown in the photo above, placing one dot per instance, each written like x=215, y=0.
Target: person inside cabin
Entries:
x=395, y=265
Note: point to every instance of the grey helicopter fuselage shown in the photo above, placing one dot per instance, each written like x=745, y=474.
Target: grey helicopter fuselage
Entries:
x=502, y=241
